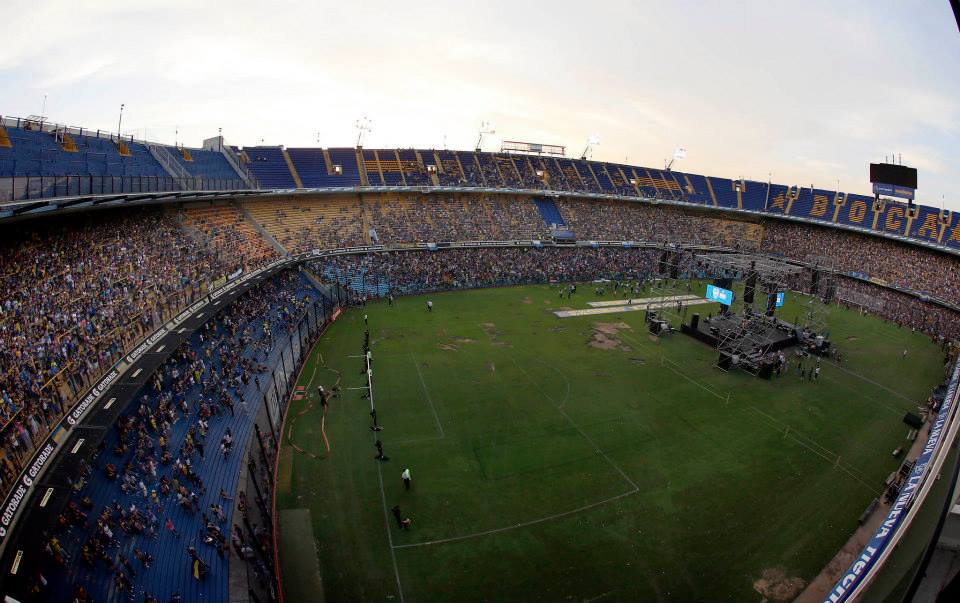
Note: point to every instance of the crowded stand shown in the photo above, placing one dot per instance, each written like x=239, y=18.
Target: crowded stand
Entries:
x=76, y=293
x=452, y=217
x=629, y=221
x=900, y=308
x=304, y=224
x=225, y=230
x=152, y=516
x=49, y=160
x=402, y=272
x=902, y=265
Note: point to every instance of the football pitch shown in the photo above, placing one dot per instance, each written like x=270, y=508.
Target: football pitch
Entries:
x=580, y=459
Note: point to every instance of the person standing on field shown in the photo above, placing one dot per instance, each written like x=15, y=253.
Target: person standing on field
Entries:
x=405, y=476
x=429, y=305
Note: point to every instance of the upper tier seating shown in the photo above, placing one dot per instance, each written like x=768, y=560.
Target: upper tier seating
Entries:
x=269, y=167
x=207, y=164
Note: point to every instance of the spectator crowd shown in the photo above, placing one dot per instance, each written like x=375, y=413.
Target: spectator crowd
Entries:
x=78, y=292
x=162, y=485
x=75, y=294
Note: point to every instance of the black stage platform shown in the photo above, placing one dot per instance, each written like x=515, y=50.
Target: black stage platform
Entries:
x=752, y=341
x=769, y=334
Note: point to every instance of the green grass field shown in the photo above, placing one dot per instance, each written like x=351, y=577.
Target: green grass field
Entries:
x=547, y=469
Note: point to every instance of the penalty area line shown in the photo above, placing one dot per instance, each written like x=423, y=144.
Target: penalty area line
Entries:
x=518, y=525
x=426, y=393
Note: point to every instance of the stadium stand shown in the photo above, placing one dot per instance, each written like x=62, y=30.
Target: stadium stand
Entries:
x=269, y=167
x=431, y=218
x=549, y=212
x=393, y=272
x=165, y=479
x=228, y=233
x=490, y=171
x=414, y=172
x=206, y=164
x=346, y=160
x=34, y=152
x=305, y=224
x=390, y=167
x=78, y=292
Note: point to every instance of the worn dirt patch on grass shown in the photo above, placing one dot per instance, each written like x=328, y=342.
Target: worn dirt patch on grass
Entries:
x=852, y=338
x=610, y=328
x=447, y=346
x=527, y=300
x=775, y=585
x=605, y=336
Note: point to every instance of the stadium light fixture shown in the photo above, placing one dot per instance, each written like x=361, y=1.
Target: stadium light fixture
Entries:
x=592, y=141
x=679, y=153
x=120, y=122
x=485, y=128
x=363, y=125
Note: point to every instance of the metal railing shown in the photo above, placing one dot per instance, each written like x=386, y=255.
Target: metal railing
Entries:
x=28, y=188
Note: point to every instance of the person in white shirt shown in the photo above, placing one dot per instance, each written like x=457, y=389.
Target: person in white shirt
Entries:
x=429, y=305
x=405, y=476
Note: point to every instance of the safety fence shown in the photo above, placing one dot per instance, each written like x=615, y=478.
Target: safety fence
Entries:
x=29, y=188
x=857, y=578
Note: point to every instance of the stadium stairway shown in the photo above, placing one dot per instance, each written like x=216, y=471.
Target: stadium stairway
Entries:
x=170, y=571
x=4, y=139
x=549, y=212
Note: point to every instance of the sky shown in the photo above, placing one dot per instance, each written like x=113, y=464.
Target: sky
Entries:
x=806, y=93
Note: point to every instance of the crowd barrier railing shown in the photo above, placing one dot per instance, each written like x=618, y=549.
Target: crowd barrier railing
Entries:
x=857, y=578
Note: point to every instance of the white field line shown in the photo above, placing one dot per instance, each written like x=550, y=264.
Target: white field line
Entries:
x=426, y=393
x=386, y=514
x=516, y=525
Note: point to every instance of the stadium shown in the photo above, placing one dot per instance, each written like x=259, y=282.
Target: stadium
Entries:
x=269, y=373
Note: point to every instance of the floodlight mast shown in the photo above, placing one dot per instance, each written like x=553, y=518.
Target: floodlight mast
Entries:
x=362, y=125
x=678, y=153
x=485, y=128
x=592, y=141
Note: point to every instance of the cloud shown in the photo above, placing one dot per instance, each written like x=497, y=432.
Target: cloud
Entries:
x=809, y=93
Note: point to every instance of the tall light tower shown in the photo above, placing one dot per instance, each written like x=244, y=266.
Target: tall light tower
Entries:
x=485, y=128
x=679, y=153
x=592, y=141
x=120, y=122
x=362, y=125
